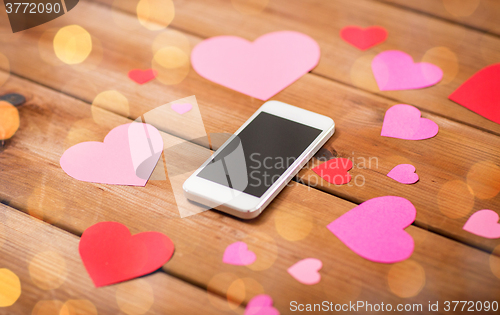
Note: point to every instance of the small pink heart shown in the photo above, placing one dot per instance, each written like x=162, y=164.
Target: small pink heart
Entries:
x=127, y=156
x=404, y=121
x=261, y=305
x=238, y=254
x=404, y=173
x=395, y=70
x=484, y=223
x=142, y=76
x=181, y=108
x=375, y=229
x=306, y=271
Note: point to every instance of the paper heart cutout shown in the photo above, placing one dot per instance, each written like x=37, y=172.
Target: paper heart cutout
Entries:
x=9, y=120
x=484, y=223
x=404, y=121
x=306, y=271
x=395, y=70
x=238, y=254
x=334, y=171
x=375, y=229
x=480, y=93
x=261, y=304
x=127, y=156
x=363, y=38
x=259, y=69
x=181, y=108
x=24, y=18
x=111, y=254
x=142, y=76
x=404, y=173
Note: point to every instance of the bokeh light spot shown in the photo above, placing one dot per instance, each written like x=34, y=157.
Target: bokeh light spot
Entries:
x=9, y=120
x=362, y=75
x=72, y=44
x=495, y=262
x=112, y=101
x=241, y=289
x=484, y=179
x=10, y=287
x=445, y=59
x=5, y=69
x=264, y=247
x=47, y=307
x=134, y=297
x=48, y=270
x=293, y=226
x=155, y=14
x=219, y=285
x=172, y=64
x=169, y=38
x=406, y=279
x=78, y=307
x=461, y=8
x=250, y=7
x=455, y=199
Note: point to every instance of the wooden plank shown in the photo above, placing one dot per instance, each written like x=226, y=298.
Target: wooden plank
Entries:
x=292, y=228
x=47, y=262
x=479, y=14
x=441, y=161
x=459, y=51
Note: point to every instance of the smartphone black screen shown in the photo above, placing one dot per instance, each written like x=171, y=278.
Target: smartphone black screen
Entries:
x=260, y=154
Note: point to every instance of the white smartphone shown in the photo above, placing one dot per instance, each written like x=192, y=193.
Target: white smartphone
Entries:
x=245, y=174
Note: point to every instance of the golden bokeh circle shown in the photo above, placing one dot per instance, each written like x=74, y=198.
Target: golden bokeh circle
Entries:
x=461, y=8
x=495, y=262
x=10, y=287
x=155, y=14
x=484, y=179
x=293, y=226
x=9, y=120
x=47, y=307
x=406, y=279
x=219, y=285
x=5, y=67
x=361, y=73
x=242, y=288
x=78, y=307
x=264, y=247
x=134, y=297
x=72, y=44
x=250, y=7
x=172, y=64
x=48, y=270
x=445, y=59
x=169, y=38
x=455, y=199
x=111, y=101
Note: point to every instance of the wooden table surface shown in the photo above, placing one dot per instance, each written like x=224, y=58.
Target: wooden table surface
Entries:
x=44, y=211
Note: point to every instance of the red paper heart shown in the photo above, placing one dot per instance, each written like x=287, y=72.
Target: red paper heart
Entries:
x=363, y=38
x=111, y=254
x=335, y=171
x=142, y=76
x=481, y=93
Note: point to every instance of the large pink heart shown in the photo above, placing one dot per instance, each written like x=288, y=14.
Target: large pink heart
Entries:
x=395, y=70
x=404, y=122
x=127, y=156
x=375, y=229
x=259, y=69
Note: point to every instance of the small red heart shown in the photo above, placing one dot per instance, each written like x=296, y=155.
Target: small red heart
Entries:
x=335, y=171
x=111, y=254
x=142, y=76
x=481, y=93
x=363, y=38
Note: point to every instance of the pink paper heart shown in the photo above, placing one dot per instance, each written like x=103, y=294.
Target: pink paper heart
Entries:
x=261, y=305
x=127, y=156
x=484, y=223
x=306, y=271
x=395, y=70
x=404, y=121
x=404, y=173
x=238, y=254
x=181, y=108
x=375, y=229
x=259, y=69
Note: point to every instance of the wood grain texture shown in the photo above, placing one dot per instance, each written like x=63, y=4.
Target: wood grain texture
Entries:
x=480, y=14
x=358, y=115
x=292, y=228
x=47, y=262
